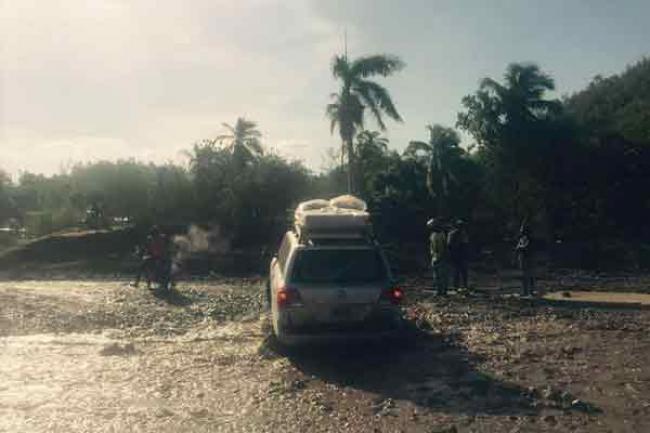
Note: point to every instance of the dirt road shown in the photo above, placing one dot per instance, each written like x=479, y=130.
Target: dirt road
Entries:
x=99, y=356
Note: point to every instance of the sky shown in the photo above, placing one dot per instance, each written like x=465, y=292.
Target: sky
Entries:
x=88, y=80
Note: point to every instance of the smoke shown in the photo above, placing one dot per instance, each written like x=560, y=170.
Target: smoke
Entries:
x=197, y=241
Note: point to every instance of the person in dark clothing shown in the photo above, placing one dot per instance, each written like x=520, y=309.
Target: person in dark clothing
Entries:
x=152, y=254
x=525, y=263
x=458, y=244
x=439, y=256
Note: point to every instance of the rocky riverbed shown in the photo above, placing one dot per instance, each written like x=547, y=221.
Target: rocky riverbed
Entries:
x=102, y=356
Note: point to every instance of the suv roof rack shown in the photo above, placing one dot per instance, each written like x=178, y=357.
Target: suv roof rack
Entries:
x=344, y=219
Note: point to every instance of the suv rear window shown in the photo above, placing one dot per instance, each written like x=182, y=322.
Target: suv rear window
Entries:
x=336, y=266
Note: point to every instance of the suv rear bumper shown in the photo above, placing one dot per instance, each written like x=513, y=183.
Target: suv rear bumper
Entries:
x=303, y=336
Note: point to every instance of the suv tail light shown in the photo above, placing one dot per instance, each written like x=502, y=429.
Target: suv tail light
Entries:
x=288, y=297
x=394, y=295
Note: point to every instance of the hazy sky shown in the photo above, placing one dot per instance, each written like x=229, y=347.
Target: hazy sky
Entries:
x=104, y=79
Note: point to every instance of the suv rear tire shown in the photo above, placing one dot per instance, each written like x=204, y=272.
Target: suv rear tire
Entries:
x=267, y=295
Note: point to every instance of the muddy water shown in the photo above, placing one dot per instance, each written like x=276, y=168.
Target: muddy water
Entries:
x=102, y=382
x=128, y=378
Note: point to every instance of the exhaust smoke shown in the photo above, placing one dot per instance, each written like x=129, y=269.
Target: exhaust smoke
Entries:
x=198, y=241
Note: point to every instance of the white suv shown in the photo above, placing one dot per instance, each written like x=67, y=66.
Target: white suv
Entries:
x=332, y=288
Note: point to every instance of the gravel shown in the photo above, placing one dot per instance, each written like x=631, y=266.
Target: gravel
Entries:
x=102, y=356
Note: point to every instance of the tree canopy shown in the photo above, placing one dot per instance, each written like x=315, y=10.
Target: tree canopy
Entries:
x=575, y=169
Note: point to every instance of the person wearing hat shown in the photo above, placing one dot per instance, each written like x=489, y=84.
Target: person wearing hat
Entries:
x=439, y=256
x=458, y=244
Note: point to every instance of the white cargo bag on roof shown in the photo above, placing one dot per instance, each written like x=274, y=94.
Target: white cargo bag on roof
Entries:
x=341, y=217
x=312, y=205
x=348, y=202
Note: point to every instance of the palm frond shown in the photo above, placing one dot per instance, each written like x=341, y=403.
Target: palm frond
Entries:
x=247, y=126
x=528, y=76
x=382, y=98
x=351, y=109
x=340, y=67
x=417, y=146
x=333, y=114
x=491, y=85
x=254, y=146
x=333, y=123
x=231, y=129
x=380, y=64
x=332, y=111
x=373, y=139
x=333, y=107
x=370, y=102
x=223, y=137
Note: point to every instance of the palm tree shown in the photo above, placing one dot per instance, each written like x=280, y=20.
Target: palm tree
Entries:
x=522, y=108
x=358, y=93
x=500, y=113
x=521, y=97
x=442, y=148
x=242, y=140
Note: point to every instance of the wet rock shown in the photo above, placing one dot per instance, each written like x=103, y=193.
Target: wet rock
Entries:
x=583, y=406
